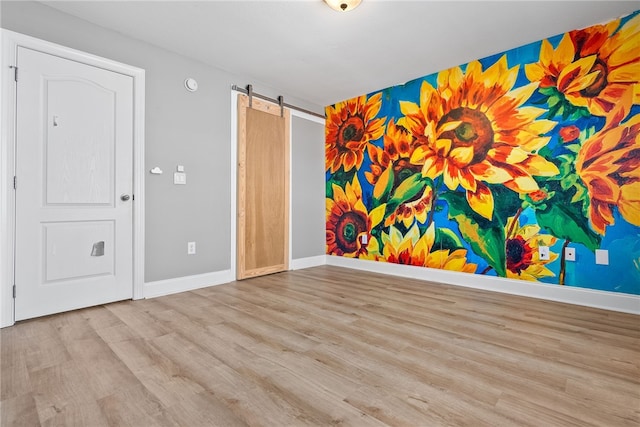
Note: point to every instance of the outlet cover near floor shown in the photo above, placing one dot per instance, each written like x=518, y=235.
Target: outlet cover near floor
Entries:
x=602, y=256
x=191, y=248
x=543, y=252
x=570, y=254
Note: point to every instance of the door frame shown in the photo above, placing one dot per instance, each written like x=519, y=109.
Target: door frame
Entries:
x=10, y=41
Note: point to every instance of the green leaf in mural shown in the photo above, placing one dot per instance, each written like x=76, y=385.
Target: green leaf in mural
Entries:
x=566, y=221
x=487, y=238
x=384, y=185
x=340, y=178
x=447, y=239
x=408, y=189
x=506, y=202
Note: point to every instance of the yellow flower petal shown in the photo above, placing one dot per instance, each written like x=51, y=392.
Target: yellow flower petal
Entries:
x=451, y=178
x=538, y=165
x=443, y=146
x=546, y=53
x=339, y=196
x=628, y=73
x=462, y=155
x=629, y=203
x=491, y=174
x=382, y=185
x=431, y=168
x=534, y=72
x=377, y=215
x=409, y=108
x=565, y=52
x=481, y=201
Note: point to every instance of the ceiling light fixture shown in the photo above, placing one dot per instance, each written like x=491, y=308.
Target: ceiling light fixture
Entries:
x=342, y=5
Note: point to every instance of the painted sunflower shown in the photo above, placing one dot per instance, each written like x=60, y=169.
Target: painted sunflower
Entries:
x=609, y=165
x=414, y=209
x=398, y=148
x=390, y=166
x=473, y=131
x=349, y=223
x=595, y=68
x=523, y=259
x=350, y=125
x=413, y=249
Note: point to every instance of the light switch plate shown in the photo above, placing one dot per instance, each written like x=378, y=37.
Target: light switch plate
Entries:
x=602, y=256
x=180, y=178
x=570, y=254
x=543, y=252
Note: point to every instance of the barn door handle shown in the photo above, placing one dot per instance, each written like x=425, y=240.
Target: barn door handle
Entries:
x=125, y=197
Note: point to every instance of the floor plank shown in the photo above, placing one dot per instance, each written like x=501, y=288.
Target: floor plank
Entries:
x=324, y=346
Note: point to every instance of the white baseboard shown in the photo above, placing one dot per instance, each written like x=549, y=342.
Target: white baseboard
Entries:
x=188, y=283
x=313, y=261
x=625, y=303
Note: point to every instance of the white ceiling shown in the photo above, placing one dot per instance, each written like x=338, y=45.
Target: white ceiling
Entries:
x=303, y=48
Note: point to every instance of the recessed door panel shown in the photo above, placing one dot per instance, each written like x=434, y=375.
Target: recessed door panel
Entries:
x=80, y=142
x=78, y=250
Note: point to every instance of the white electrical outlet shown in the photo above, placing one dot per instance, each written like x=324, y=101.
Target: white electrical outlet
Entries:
x=569, y=254
x=602, y=256
x=364, y=239
x=543, y=252
x=191, y=248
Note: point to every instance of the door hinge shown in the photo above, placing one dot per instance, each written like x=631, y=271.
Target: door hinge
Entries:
x=14, y=291
x=15, y=72
x=15, y=182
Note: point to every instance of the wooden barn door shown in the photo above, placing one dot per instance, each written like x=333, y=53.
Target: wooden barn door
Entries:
x=263, y=188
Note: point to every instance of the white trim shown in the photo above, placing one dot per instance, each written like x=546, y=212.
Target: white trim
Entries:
x=312, y=261
x=187, y=283
x=296, y=264
x=7, y=168
x=234, y=183
x=626, y=303
x=10, y=43
x=290, y=244
x=307, y=116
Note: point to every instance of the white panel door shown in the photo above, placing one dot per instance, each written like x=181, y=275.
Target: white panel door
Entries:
x=74, y=168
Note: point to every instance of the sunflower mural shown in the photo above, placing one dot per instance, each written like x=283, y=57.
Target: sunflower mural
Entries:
x=474, y=168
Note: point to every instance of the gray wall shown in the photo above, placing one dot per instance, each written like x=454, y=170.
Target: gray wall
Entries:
x=307, y=189
x=182, y=128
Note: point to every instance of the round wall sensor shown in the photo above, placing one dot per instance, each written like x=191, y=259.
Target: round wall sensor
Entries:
x=191, y=84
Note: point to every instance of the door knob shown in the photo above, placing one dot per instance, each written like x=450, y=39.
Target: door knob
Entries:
x=125, y=197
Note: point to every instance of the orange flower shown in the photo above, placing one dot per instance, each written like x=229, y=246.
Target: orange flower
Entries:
x=538, y=196
x=413, y=249
x=569, y=133
x=349, y=223
x=398, y=148
x=350, y=126
x=473, y=131
x=593, y=67
x=609, y=165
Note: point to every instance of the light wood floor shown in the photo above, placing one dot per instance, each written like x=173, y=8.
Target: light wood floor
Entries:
x=324, y=346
